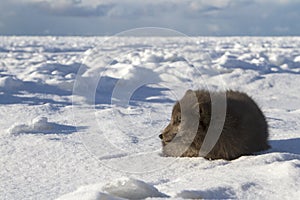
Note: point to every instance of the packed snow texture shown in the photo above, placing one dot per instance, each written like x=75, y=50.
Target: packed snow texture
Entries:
x=80, y=113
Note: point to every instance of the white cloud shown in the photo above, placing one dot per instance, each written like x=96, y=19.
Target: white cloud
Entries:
x=116, y=8
x=194, y=17
x=276, y=1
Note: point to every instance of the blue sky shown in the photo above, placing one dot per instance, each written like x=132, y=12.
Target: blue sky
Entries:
x=109, y=17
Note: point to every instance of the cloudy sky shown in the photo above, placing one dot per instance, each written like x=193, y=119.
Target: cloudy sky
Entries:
x=109, y=17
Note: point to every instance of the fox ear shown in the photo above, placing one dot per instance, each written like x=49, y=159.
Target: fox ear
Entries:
x=189, y=93
x=191, y=96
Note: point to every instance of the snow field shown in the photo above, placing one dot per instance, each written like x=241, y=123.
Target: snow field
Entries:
x=81, y=117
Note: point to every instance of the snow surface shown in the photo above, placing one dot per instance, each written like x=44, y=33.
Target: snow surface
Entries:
x=132, y=189
x=81, y=116
x=41, y=125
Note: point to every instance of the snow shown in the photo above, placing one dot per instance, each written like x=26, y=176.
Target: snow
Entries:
x=8, y=83
x=81, y=116
x=41, y=125
x=132, y=189
x=91, y=192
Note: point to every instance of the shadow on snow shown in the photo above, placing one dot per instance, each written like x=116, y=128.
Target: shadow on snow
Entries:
x=286, y=146
x=31, y=93
x=144, y=93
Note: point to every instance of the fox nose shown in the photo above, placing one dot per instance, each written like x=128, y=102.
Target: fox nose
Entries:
x=161, y=136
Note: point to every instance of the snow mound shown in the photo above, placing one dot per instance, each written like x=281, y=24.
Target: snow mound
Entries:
x=215, y=193
x=8, y=83
x=124, y=188
x=132, y=189
x=188, y=194
x=41, y=125
x=87, y=194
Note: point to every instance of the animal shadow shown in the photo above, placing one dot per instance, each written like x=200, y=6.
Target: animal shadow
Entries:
x=286, y=146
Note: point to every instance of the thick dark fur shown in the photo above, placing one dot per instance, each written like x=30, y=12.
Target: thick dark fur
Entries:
x=245, y=129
